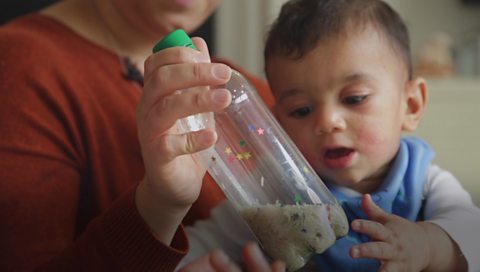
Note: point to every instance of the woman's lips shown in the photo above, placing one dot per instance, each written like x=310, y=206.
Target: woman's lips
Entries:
x=183, y=3
x=337, y=158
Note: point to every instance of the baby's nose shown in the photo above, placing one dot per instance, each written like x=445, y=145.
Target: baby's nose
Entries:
x=329, y=120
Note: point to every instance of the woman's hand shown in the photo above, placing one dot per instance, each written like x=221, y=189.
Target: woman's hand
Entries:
x=217, y=261
x=173, y=176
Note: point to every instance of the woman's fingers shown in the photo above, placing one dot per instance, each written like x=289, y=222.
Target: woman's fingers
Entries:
x=216, y=261
x=165, y=80
x=254, y=259
x=173, y=145
x=222, y=263
x=201, y=45
x=278, y=266
x=168, y=110
x=178, y=54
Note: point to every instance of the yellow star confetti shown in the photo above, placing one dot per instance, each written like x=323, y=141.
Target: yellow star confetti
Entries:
x=228, y=150
x=247, y=155
x=239, y=156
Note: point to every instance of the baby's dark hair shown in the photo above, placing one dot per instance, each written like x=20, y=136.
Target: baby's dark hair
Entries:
x=302, y=24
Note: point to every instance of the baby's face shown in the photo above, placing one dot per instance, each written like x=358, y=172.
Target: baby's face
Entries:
x=344, y=105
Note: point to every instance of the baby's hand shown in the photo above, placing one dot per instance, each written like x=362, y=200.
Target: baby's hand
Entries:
x=399, y=244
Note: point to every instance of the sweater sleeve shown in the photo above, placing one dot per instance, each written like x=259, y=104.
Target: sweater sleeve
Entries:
x=449, y=206
x=39, y=196
x=119, y=240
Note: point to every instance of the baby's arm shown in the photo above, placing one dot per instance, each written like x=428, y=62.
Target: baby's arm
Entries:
x=449, y=206
x=402, y=245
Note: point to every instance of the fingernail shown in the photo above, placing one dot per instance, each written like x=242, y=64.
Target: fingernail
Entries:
x=355, y=252
x=202, y=58
x=220, y=96
x=356, y=225
x=221, y=258
x=255, y=250
x=221, y=71
x=207, y=136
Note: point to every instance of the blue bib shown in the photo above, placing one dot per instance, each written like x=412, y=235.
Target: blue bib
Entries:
x=400, y=194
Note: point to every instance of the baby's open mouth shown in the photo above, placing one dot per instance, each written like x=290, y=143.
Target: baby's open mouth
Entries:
x=336, y=153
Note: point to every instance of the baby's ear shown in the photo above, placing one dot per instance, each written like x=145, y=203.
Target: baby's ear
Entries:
x=416, y=100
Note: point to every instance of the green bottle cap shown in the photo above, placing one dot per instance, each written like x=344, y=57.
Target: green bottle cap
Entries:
x=175, y=38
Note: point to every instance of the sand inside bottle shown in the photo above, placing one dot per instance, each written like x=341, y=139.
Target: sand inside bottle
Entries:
x=293, y=233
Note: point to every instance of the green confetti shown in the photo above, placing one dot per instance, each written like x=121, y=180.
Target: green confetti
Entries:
x=243, y=143
x=297, y=199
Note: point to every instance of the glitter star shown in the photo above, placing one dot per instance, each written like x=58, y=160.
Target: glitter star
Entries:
x=260, y=131
x=228, y=150
x=252, y=128
x=247, y=155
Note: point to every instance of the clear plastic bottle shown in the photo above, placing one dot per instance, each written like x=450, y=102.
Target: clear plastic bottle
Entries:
x=264, y=175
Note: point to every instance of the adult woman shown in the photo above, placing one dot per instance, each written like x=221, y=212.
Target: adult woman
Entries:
x=71, y=159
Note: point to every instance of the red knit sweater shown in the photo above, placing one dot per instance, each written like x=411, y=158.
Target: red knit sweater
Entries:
x=70, y=159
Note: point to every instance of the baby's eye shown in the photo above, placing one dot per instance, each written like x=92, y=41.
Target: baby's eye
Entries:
x=301, y=112
x=353, y=100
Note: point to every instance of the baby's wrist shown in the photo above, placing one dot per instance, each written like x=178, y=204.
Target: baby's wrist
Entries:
x=443, y=252
x=428, y=252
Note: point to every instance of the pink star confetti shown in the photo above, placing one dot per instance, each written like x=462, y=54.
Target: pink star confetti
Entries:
x=260, y=131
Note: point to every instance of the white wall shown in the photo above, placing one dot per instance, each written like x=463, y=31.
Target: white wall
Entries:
x=242, y=24
x=240, y=30
x=425, y=17
x=452, y=128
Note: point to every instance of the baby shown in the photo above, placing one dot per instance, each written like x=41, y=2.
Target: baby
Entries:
x=340, y=71
x=341, y=74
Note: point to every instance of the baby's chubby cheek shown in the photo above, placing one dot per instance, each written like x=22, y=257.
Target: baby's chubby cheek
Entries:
x=372, y=142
